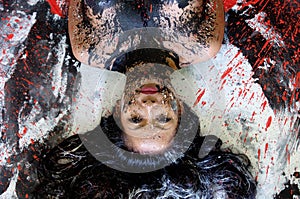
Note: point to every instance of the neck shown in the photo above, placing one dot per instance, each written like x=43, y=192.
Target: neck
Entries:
x=138, y=57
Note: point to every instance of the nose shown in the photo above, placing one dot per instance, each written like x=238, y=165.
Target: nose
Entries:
x=148, y=100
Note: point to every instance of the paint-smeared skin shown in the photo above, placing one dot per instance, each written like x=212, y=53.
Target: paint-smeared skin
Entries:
x=93, y=36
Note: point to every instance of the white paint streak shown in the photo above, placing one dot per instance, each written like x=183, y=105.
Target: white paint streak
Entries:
x=32, y=2
x=16, y=27
x=259, y=24
x=59, y=80
x=10, y=193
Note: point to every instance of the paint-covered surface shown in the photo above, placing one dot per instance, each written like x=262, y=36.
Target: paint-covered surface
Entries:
x=248, y=95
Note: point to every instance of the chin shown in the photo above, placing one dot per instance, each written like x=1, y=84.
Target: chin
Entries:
x=146, y=145
x=151, y=148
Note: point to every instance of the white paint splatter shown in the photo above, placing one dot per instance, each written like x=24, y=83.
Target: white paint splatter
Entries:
x=259, y=24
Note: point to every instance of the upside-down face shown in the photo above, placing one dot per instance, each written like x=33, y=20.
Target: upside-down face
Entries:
x=149, y=119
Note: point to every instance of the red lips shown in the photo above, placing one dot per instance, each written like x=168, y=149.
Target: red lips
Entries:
x=149, y=89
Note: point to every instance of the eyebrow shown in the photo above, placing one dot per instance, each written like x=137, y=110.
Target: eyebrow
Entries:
x=139, y=126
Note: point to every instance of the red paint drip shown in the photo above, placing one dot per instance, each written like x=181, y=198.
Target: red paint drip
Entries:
x=268, y=122
x=234, y=58
x=228, y=4
x=258, y=154
x=266, y=149
x=252, y=117
x=223, y=83
x=199, y=96
x=227, y=71
x=55, y=9
x=263, y=105
x=297, y=83
x=252, y=96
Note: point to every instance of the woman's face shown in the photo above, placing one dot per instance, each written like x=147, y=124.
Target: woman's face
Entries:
x=149, y=117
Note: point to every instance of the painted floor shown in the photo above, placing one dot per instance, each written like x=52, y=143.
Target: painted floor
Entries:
x=250, y=90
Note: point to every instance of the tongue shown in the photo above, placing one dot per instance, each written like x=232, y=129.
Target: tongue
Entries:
x=149, y=89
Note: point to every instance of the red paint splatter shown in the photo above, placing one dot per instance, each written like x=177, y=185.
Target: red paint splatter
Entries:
x=228, y=4
x=263, y=105
x=223, y=83
x=24, y=131
x=201, y=93
x=268, y=122
x=55, y=9
x=234, y=58
x=258, y=154
x=297, y=83
x=227, y=71
x=252, y=96
x=10, y=36
x=252, y=117
x=266, y=149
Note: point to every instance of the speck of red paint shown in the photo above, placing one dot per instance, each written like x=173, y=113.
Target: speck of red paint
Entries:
x=199, y=96
x=267, y=170
x=227, y=71
x=258, y=153
x=35, y=157
x=266, y=149
x=25, y=130
x=268, y=122
x=203, y=103
x=263, y=105
x=10, y=36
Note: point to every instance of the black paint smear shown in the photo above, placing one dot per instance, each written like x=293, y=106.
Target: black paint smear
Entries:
x=289, y=192
x=274, y=80
x=30, y=83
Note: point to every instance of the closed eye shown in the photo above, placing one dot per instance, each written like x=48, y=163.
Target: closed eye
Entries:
x=163, y=119
x=135, y=119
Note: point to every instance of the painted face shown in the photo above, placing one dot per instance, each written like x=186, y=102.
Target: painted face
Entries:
x=149, y=118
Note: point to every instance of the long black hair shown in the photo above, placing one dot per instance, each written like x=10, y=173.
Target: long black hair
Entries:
x=70, y=171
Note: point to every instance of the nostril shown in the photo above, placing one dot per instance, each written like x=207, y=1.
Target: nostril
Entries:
x=149, y=101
